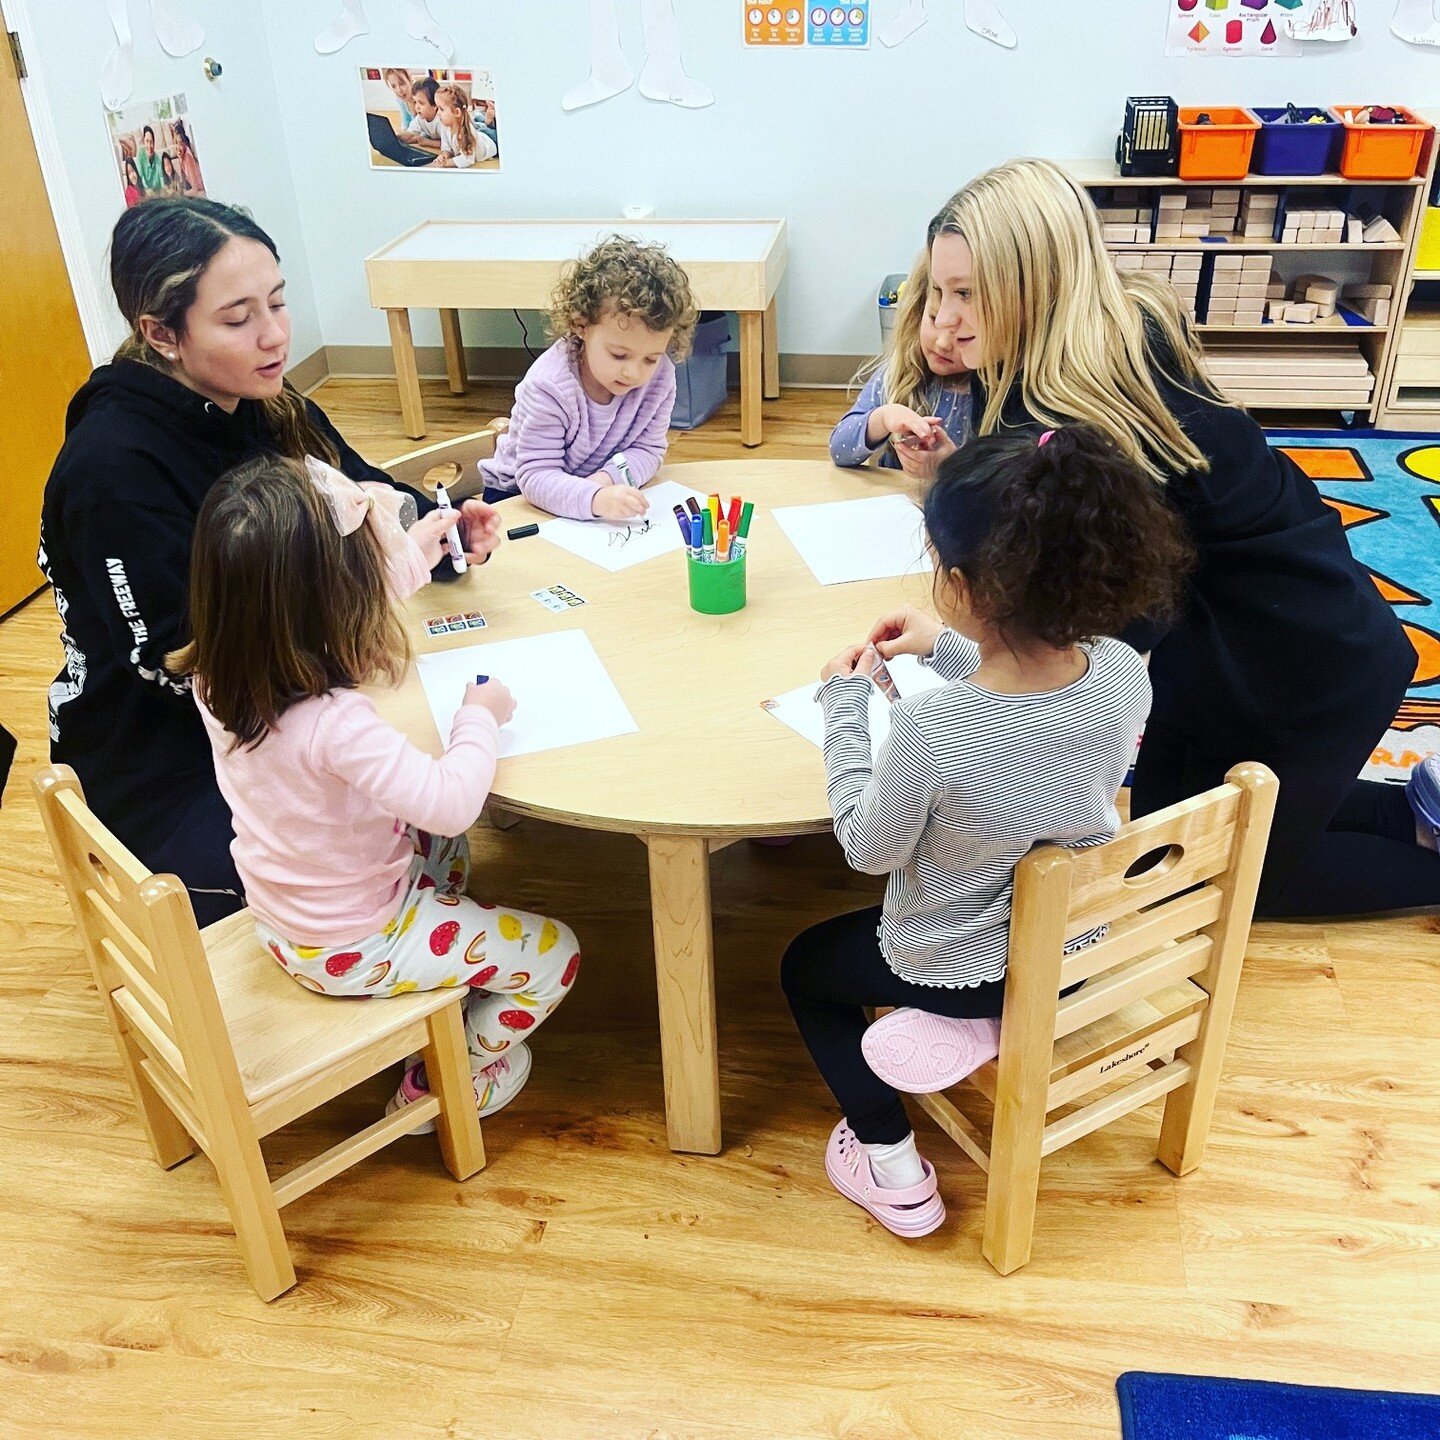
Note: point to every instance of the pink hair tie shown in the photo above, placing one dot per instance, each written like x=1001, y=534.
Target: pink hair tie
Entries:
x=1043, y=438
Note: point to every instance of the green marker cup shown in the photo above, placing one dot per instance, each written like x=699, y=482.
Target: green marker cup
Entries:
x=715, y=588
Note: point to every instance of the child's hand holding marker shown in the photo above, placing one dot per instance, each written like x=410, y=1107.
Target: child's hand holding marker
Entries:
x=619, y=502
x=431, y=533
x=853, y=660
x=906, y=631
x=920, y=459
x=901, y=425
x=491, y=695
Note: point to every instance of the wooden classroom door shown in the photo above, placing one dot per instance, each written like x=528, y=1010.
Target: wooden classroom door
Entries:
x=43, y=356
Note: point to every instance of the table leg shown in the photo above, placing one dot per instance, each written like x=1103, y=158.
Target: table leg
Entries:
x=770, y=361
x=454, y=352
x=685, y=977
x=751, y=383
x=402, y=347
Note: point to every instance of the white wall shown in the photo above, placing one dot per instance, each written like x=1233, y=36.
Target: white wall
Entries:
x=242, y=153
x=855, y=150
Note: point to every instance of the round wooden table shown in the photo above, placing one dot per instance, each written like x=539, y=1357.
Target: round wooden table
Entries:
x=708, y=766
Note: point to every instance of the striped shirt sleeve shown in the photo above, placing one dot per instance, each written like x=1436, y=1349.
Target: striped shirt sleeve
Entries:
x=880, y=809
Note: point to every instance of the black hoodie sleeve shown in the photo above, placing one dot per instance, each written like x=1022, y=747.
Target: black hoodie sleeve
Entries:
x=131, y=551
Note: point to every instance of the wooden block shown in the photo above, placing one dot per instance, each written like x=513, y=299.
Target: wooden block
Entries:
x=1154, y=261
x=1167, y=232
x=1301, y=219
x=1354, y=231
x=1318, y=288
x=1195, y=230
x=1171, y=200
x=1119, y=234
x=1376, y=311
x=1301, y=313
x=1304, y=237
x=1289, y=237
x=1221, y=291
x=1229, y=262
x=1187, y=260
x=1368, y=292
x=1276, y=309
x=1129, y=262
x=1380, y=231
x=1253, y=289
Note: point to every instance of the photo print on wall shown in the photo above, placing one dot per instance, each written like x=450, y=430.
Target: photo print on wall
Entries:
x=154, y=145
x=430, y=119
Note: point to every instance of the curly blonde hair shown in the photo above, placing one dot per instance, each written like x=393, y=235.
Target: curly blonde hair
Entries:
x=624, y=277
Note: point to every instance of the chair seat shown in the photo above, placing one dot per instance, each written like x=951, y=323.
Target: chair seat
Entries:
x=284, y=1035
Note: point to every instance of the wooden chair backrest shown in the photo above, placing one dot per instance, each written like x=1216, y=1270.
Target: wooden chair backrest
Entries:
x=145, y=951
x=1176, y=888
x=457, y=459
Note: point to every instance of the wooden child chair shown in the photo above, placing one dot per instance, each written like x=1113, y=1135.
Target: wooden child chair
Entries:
x=1177, y=890
x=461, y=457
x=222, y=1048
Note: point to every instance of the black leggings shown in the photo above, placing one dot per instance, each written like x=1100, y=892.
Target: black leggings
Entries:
x=829, y=973
x=1339, y=846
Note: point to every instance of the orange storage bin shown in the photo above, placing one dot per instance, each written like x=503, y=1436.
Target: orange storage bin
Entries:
x=1219, y=150
x=1381, y=152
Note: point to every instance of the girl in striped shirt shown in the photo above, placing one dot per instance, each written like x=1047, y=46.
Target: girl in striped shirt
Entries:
x=1041, y=551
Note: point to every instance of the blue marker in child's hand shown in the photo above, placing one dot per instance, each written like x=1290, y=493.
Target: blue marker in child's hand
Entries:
x=482, y=679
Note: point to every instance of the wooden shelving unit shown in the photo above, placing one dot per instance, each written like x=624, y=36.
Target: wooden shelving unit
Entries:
x=1412, y=380
x=1325, y=374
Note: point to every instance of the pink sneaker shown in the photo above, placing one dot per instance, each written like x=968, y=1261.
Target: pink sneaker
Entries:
x=910, y=1213
x=921, y=1053
x=496, y=1085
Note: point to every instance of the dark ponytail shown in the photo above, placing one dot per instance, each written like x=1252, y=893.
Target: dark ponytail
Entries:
x=1060, y=541
x=158, y=253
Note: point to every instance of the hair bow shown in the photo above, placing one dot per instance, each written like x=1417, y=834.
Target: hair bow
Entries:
x=349, y=505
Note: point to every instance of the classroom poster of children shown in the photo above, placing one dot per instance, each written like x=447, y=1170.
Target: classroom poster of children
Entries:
x=154, y=143
x=430, y=119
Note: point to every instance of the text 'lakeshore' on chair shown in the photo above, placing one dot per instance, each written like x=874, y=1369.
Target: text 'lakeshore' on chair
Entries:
x=1177, y=890
x=222, y=1047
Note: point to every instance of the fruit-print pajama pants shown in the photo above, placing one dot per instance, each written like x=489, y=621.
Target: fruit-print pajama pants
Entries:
x=518, y=966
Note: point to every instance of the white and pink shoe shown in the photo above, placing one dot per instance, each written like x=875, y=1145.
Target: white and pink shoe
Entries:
x=921, y=1053
x=496, y=1084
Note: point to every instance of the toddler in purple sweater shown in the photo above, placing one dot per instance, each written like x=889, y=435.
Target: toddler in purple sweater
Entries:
x=592, y=415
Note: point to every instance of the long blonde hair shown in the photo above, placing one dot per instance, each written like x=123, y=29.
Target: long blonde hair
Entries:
x=1058, y=320
x=459, y=101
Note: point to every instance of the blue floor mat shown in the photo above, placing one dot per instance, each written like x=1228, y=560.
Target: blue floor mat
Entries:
x=1200, y=1407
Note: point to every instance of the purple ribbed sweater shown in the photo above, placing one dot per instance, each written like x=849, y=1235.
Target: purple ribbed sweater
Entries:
x=559, y=443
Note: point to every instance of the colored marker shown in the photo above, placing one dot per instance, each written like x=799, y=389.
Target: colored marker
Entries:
x=482, y=679
x=693, y=506
x=742, y=539
x=707, y=538
x=722, y=542
x=623, y=466
x=683, y=521
x=452, y=535
x=697, y=538
x=732, y=515
x=522, y=532
x=714, y=503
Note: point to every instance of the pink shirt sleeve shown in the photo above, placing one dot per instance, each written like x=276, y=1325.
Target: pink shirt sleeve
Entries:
x=538, y=425
x=443, y=797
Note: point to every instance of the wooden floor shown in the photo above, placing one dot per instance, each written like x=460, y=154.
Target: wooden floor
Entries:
x=590, y=1285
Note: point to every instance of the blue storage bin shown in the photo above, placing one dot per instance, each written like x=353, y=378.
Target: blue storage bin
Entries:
x=700, y=382
x=1290, y=149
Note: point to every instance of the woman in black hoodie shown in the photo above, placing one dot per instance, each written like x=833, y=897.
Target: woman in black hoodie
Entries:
x=1284, y=651
x=196, y=388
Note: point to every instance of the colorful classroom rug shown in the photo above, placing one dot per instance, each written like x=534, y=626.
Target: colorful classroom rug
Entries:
x=1197, y=1407
x=1386, y=488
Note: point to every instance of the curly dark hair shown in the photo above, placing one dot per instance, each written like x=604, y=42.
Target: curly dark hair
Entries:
x=628, y=278
x=1062, y=541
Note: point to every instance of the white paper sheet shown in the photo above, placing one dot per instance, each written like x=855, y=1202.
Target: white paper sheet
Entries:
x=846, y=540
x=800, y=710
x=563, y=693
x=619, y=545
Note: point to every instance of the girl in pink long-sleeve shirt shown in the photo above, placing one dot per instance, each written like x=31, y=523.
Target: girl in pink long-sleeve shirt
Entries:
x=350, y=841
x=604, y=390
